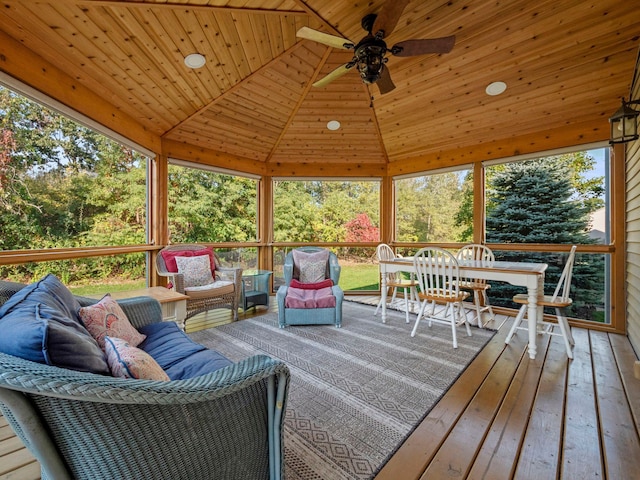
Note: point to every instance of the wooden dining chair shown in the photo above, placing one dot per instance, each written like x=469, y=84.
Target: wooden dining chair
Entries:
x=559, y=301
x=483, y=255
x=438, y=274
x=396, y=281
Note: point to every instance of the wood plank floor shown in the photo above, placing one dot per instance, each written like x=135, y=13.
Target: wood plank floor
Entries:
x=506, y=417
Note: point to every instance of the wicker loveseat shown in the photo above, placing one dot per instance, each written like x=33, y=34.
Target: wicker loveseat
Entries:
x=226, y=424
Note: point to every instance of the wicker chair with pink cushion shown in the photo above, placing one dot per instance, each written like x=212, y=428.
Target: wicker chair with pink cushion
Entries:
x=310, y=295
x=195, y=271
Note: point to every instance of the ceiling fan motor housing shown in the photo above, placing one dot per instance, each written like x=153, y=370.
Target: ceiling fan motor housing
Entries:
x=369, y=55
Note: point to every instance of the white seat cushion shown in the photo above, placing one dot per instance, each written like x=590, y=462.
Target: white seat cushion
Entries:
x=219, y=287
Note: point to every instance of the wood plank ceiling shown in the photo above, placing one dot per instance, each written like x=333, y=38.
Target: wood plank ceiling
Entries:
x=566, y=64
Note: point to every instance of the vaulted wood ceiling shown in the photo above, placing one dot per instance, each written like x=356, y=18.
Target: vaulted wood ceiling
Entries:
x=566, y=64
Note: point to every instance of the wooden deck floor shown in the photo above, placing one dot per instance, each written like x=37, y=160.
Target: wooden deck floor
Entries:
x=507, y=417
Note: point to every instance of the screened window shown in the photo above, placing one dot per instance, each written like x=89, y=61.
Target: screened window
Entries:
x=63, y=184
x=326, y=211
x=208, y=206
x=559, y=199
x=435, y=208
x=553, y=200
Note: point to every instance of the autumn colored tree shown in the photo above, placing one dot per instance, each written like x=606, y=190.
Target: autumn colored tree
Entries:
x=360, y=229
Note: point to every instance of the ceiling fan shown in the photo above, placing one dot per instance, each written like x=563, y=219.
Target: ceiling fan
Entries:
x=370, y=53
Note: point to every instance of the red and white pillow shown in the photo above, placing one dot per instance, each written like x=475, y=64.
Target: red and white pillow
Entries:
x=106, y=318
x=126, y=361
x=169, y=257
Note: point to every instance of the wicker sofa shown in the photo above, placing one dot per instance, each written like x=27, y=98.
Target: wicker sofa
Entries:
x=226, y=424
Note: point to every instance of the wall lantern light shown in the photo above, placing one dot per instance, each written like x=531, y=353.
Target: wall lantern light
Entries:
x=624, y=123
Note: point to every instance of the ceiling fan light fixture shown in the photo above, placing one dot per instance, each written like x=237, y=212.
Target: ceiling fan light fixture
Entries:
x=496, y=88
x=195, y=60
x=370, y=58
x=333, y=125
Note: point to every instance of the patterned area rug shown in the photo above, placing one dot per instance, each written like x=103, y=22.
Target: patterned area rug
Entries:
x=356, y=392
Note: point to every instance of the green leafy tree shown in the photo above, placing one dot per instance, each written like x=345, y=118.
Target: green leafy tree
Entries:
x=426, y=208
x=211, y=207
x=464, y=215
x=64, y=185
x=294, y=213
x=318, y=211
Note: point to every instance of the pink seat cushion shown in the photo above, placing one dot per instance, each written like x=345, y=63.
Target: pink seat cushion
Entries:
x=311, y=286
x=306, y=298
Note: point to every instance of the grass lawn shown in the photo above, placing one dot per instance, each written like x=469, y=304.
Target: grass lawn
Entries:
x=104, y=288
x=356, y=276
x=360, y=276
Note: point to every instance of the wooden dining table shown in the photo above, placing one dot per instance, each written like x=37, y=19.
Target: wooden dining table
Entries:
x=529, y=275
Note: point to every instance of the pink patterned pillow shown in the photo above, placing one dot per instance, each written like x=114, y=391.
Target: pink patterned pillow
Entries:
x=196, y=270
x=106, y=318
x=126, y=361
x=310, y=267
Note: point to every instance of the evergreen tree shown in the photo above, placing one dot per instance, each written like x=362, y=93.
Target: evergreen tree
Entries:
x=533, y=202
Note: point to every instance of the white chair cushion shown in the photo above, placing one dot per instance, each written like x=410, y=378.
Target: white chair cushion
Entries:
x=219, y=287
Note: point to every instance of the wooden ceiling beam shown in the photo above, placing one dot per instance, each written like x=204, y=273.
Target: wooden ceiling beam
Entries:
x=312, y=13
x=376, y=124
x=570, y=136
x=326, y=170
x=204, y=156
x=179, y=6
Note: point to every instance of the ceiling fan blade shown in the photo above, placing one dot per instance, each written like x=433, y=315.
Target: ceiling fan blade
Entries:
x=388, y=17
x=337, y=73
x=408, y=48
x=324, y=38
x=385, y=84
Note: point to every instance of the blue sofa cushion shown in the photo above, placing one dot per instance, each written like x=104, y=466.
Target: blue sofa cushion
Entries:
x=48, y=290
x=39, y=323
x=177, y=354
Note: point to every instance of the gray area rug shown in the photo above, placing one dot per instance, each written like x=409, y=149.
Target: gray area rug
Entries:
x=356, y=392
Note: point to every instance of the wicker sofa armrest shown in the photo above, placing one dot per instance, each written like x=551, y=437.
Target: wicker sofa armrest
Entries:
x=227, y=424
x=141, y=311
x=7, y=289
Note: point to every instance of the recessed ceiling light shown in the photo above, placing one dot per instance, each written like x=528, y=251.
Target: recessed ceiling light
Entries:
x=194, y=60
x=496, y=88
x=333, y=125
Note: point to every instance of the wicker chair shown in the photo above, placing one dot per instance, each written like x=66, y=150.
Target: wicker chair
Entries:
x=227, y=424
x=310, y=316
x=227, y=296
